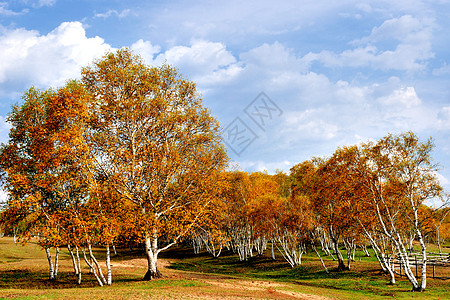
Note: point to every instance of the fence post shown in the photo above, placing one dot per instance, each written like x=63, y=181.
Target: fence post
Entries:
x=417, y=273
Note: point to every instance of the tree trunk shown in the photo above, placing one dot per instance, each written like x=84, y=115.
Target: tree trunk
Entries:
x=114, y=249
x=96, y=265
x=100, y=282
x=151, y=251
x=340, y=258
x=423, y=283
x=78, y=264
x=56, y=262
x=438, y=239
x=51, y=271
x=321, y=260
x=366, y=252
x=75, y=267
x=108, y=266
x=273, y=250
x=349, y=258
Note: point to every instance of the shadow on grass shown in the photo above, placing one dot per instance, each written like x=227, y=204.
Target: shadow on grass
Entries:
x=26, y=279
x=365, y=279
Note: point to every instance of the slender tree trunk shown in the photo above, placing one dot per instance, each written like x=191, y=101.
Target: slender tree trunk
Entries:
x=349, y=258
x=78, y=264
x=56, y=262
x=96, y=265
x=51, y=271
x=100, y=282
x=114, y=249
x=15, y=235
x=438, y=239
x=75, y=267
x=321, y=260
x=366, y=252
x=273, y=250
x=108, y=266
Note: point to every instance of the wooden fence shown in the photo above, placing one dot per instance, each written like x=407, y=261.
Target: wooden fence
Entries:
x=434, y=261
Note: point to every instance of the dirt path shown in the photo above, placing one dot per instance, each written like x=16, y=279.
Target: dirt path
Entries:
x=215, y=286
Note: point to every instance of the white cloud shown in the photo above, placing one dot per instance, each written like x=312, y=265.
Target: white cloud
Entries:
x=3, y=196
x=41, y=3
x=444, y=113
x=442, y=179
x=7, y=12
x=309, y=125
x=201, y=55
x=443, y=70
x=273, y=58
x=401, y=29
x=146, y=50
x=405, y=97
x=443, y=118
x=398, y=44
x=262, y=166
x=112, y=12
x=206, y=62
x=4, y=129
x=46, y=60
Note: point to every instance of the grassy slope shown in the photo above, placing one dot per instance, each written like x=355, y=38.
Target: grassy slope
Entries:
x=23, y=274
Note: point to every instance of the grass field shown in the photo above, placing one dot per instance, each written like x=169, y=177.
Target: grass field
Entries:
x=23, y=275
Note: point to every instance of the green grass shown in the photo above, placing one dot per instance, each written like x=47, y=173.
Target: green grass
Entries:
x=364, y=280
x=23, y=275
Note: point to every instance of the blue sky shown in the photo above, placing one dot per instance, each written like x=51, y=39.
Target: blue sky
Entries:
x=333, y=73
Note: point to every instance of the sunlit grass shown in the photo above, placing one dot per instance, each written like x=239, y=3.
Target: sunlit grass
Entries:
x=23, y=275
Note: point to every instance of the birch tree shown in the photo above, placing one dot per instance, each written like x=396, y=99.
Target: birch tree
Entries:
x=157, y=144
x=43, y=161
x=401, y=176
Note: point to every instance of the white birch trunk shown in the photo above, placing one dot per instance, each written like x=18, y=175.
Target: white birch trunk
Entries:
x=151, y=251
x=56, y=262
x=75, y=266
x=96, y=265
x=273, y=249
x=100, y=282
x=51, y=270
x=108, y=266
x=321, y=260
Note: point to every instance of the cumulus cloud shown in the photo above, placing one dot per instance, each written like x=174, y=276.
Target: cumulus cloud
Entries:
x=401, y=29
x=206, y=62
x=46, y=60
x=146, y=50
x=405, y=97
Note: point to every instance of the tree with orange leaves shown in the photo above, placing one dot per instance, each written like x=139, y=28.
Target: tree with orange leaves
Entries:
x=156, y=143
x=43, y=163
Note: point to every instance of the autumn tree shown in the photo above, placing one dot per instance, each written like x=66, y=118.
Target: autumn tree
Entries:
x=324, y=183
x=156, y=143
x=43, y=163
x=401, y=176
